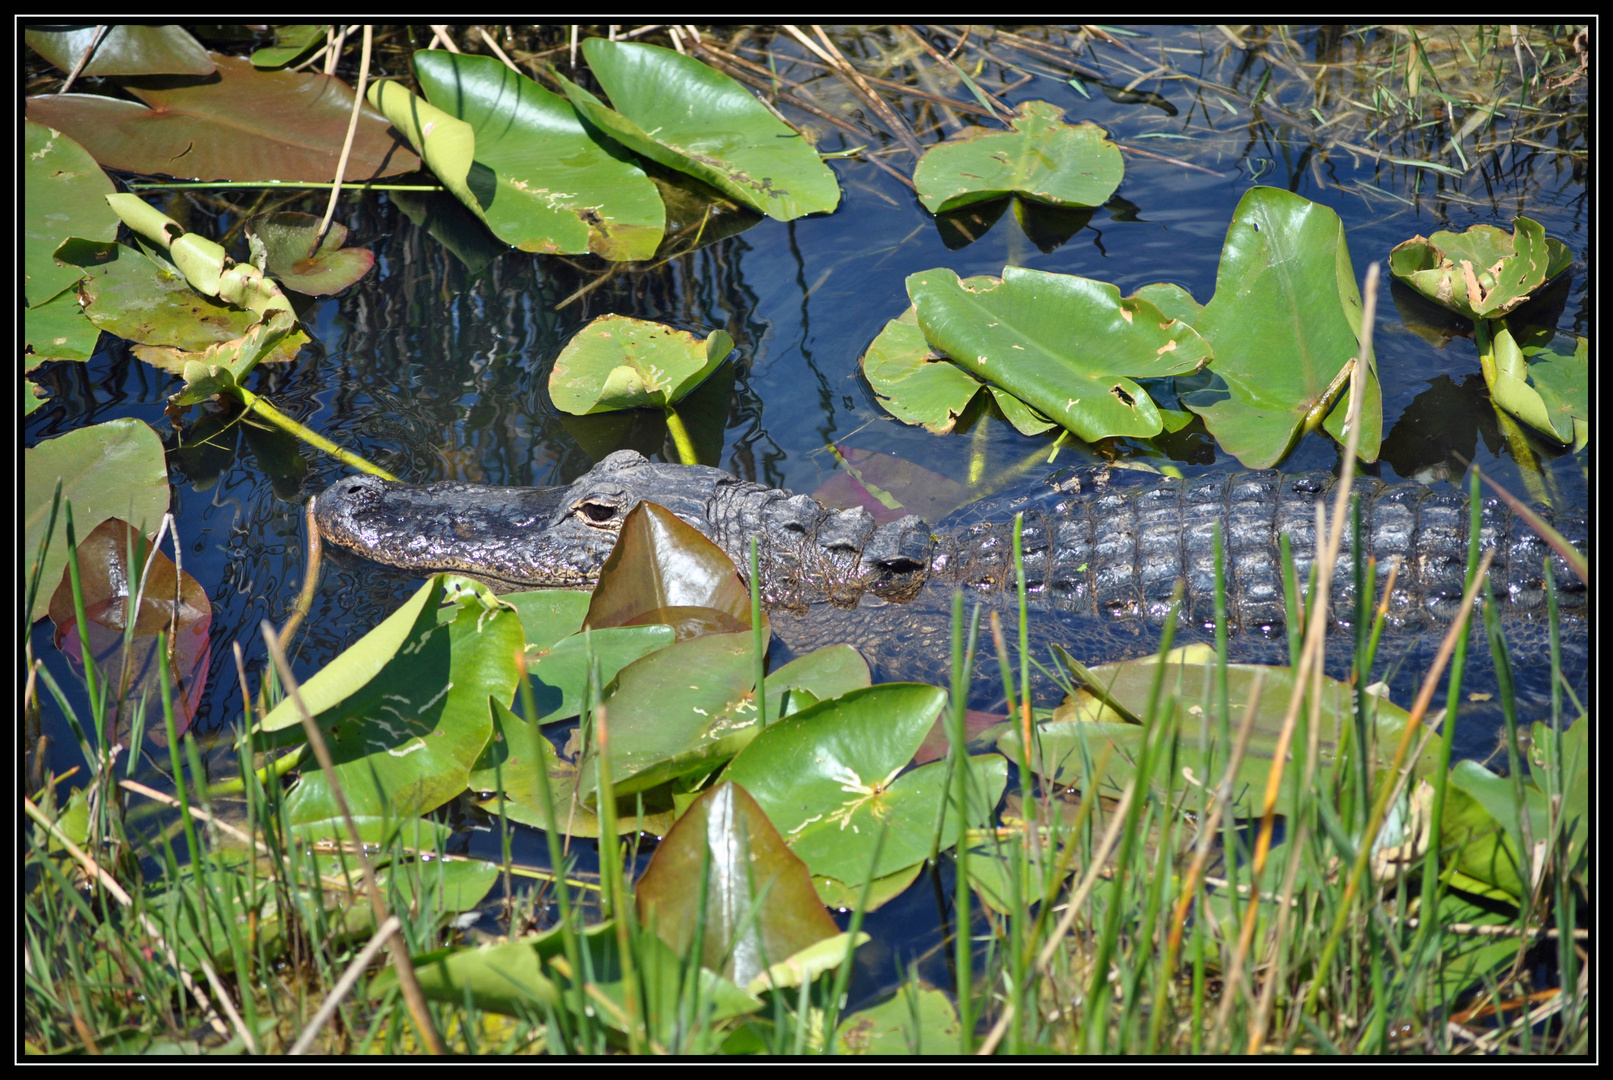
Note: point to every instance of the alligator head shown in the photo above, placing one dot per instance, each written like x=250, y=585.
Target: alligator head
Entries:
x=512, y=537
x=559, y=537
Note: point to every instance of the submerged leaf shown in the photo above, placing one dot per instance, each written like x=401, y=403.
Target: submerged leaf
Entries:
x=171, y=602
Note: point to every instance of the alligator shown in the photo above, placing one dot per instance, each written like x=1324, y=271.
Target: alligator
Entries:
x=1103, y=553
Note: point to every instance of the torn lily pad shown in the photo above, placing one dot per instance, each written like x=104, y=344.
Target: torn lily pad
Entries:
x=1481, y=272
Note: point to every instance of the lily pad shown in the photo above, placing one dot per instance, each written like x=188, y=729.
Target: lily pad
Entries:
x=512, y=758
x=1042, y=158
x=57, y=330
x=831, y=780
x=1481, y=272
x=685, y=709
x=618, y=362
x=919, y=385
x=918, y=1020
x=122, y=50
x=302, y=260
x=115, y=469
x=131, y=295
x=659, y=562
x=404, y=740
x=1285, y=319
x=540, y=179
x=518, y=977
x=1083, y=727
x=756, y=902
x=559, y=673
x=65, y=192
x=240, y=124
x=1069, y=347
x=693, y=119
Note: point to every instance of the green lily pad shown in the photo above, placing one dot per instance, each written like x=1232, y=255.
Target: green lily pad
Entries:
x=831, y=779
x=548, y=616
x=291, y=44
x=1481, y=272
x=1069, y=347
x=685, y=709
x=243, y=124
x=918, y=1020
x=1284, y=321
x=693, y=119
x=618, y=362
x=220, y=367
x=759, y=906
x=520, y=977
x=1564, y=386
x=512, y=758
x=881, y=891
x=1173, y=301
x=1083, y=727
x=822, y=674
x=559, y=673
x=919, y=385
x=115, y=469
x=404, y=738
x=65, y=192
x=539, y=178
x=131, y=295
x=1042, y=158
x=57, y=330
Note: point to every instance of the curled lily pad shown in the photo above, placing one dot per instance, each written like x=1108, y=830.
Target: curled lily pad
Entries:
x=618, y=362
x=1481, y=272
x=1042, y=158
x=300, y=259
x=660, y=561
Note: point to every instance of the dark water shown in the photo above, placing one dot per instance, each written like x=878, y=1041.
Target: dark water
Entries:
x=435, y=371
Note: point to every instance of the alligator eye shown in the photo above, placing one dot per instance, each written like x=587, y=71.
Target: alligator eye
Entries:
x=597, y=513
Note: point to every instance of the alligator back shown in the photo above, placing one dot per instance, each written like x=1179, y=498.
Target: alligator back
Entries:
x=1116, y=550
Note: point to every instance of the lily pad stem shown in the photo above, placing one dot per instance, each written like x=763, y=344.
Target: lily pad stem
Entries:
x=680, y=437
x=281, y=420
